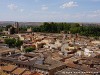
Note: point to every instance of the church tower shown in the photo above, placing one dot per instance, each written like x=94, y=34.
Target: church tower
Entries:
x=16, y=26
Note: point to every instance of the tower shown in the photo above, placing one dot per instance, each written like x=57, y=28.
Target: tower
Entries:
x=16, y=26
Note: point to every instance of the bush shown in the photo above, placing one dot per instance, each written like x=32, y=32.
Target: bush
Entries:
x=29, y=49
x=10, y=42
x=13, y=42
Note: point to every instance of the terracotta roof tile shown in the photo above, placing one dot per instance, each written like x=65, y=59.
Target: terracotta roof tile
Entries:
x=8, y=68
x=26, y=73
x=18, y=71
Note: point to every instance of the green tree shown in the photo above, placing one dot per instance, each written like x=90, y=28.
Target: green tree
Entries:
x=23, y=28
x=10, y=42
x=29, y=49
x=7, y=27
x=18, y=43
x=1, y=28
x=13, y=42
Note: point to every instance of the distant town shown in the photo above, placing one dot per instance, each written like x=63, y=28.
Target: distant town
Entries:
x=49, y=48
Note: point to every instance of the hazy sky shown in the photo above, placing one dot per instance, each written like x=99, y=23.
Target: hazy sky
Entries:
x=50, y=10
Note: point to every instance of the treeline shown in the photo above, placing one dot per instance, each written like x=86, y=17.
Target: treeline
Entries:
x=93, y=31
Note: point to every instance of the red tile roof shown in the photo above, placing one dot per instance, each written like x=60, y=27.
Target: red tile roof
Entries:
x=36, y=73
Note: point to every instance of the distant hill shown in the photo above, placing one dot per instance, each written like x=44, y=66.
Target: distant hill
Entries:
x=4, y=23
x=90, y=24
x=30, y=23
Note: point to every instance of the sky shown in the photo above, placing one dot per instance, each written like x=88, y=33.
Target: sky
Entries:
x=50, y=10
